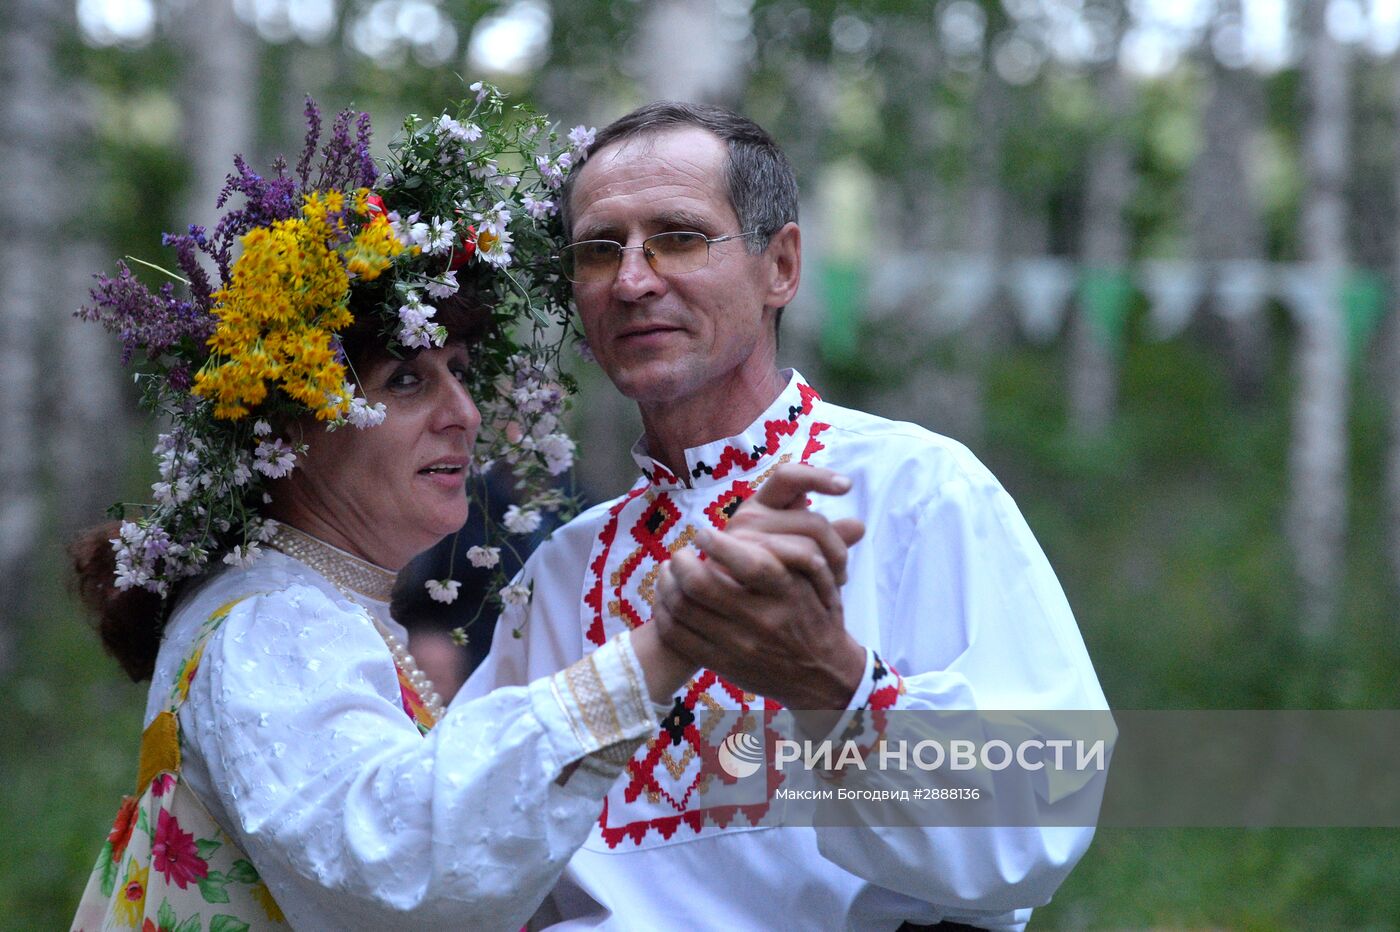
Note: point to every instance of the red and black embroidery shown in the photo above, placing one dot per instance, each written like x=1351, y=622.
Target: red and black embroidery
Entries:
x=644, y=769
x=667, y=781
x=660, y=475
x=773, y=433
x=723, y=508
x=594, y=597
x=866, y=728
x=883, y=697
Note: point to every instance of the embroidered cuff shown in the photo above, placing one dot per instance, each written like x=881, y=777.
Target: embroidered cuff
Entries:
x=864, y=721
x=604, y=702
x=867, y=684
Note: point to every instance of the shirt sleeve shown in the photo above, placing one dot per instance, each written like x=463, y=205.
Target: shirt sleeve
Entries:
x=975, y=620
x=353, y=818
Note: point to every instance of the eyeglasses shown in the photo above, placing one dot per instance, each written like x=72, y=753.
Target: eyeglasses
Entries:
x=597, y=260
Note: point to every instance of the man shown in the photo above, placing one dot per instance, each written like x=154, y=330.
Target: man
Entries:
x=684, y=250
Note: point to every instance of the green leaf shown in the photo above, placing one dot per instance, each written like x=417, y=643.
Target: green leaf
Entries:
x=222, y=923
x=165, y=916
x=206, y=847
x=189, y=925
x=108, y=868
x=243, y=872
x=142, y=822
x=212, y=888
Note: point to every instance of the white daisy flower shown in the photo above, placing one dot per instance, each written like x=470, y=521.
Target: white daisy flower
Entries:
x=242, y=557
x=516, y=594
x=441, y=237
x=539, y=210
x=442, y=590
x=364, y=415
x=484, y=557
x=465, y=132
x=519, y=521
x=274, y=459
x=442, y=286
x=558, y=452
x=581, y=137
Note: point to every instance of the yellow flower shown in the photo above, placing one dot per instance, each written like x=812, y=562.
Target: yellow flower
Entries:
x=187, y=672
x=286, y=298
x=131, y=898
x=372, y=250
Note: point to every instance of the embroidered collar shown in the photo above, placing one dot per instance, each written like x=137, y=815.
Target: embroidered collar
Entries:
x=344, y=570
x=713, y=462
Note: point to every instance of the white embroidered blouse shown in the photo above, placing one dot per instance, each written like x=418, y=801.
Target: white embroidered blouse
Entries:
x=295, y=738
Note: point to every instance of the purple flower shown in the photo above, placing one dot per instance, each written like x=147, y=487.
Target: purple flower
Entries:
x=185, y=245
x=180, y=378
x=346, y=162
x=313, y=136
x=268, y=200
x=368, y=170
x=153, y=321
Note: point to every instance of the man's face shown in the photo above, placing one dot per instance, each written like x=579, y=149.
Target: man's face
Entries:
x=667, y=339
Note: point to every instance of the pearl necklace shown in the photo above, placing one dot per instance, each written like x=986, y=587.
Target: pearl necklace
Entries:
x=354, y=577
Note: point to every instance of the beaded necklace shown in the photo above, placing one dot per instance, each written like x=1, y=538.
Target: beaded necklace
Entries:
x=354, y=577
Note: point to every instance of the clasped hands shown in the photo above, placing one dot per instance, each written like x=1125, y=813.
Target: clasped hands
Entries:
x=763, y=608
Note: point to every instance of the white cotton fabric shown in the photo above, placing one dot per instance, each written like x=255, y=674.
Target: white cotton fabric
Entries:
x=948, y=586
x=295, y=739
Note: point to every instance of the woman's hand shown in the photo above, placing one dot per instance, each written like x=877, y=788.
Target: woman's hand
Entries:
x=666, y=671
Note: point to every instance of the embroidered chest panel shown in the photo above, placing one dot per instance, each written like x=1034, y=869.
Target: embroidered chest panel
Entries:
x=674, y=783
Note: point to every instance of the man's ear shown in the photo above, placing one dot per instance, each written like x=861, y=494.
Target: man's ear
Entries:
x=784, y=257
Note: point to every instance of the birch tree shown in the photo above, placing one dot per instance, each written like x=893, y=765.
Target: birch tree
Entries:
x=1392, y=477
x=1095, y=332
x=31, y=204
x=86, y=442
x=1318, y=456
x=1226, y=225
x=986, y=247
x=218, y=90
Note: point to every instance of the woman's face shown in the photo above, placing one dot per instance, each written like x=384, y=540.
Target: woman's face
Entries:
x=390, y=492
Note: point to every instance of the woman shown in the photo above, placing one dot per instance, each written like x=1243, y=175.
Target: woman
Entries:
x=282, y=701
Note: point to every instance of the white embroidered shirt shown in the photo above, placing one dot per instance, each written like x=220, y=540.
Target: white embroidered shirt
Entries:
x=948, y=587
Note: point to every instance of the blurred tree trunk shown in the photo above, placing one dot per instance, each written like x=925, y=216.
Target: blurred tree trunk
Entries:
x=32, y=209
x=986, y=215
x=1392, y=329
x=1228, y=231
x=1096, y=330
x=87, y=444
x=690, y=50
x=217, y=97
x=88, y=471
x=1318, y=458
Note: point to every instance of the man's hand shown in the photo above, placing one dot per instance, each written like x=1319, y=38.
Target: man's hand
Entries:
x=764, y=609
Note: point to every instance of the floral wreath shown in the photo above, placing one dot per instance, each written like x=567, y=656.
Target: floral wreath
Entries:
x=472, y=191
